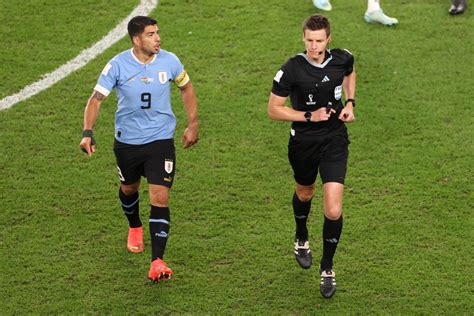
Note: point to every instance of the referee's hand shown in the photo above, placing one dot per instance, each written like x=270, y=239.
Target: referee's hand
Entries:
x=190, y=136
x=322, y=114
x=347, y=114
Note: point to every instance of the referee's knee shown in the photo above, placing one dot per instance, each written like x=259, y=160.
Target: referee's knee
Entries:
x=305, y=194
x=333, y=213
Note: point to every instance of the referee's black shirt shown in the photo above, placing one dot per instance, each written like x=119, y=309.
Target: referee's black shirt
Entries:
x=311, y=86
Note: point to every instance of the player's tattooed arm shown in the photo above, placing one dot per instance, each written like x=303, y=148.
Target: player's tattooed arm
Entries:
x=92, y=109
x=98, y=96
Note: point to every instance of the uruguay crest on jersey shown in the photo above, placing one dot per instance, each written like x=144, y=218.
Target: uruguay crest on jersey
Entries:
x=162, y=76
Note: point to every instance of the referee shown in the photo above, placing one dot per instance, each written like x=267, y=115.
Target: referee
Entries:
x=314, y=80
x=144, y=131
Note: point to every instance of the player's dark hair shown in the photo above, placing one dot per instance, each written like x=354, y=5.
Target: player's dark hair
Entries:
x=137, y=25
x=317, y=22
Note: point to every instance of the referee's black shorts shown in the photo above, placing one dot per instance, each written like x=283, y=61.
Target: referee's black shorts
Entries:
x=328, y=155
x=156, y=161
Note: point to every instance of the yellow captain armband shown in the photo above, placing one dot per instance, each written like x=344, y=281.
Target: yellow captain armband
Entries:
x=182, y=79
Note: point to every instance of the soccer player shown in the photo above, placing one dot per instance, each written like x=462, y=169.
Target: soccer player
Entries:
x=314, y=81
x=144, y=131
x=373, y=14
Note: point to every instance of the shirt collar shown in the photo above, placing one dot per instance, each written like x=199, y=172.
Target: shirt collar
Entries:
x=327, y=59
x=138, y=61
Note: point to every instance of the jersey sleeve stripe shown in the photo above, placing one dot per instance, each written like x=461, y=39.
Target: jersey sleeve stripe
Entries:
x=101, y=89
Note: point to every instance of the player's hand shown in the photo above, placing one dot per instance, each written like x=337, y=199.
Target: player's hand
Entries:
x=322, y=114
x=347, y=114
x=87, y=145
x=190, y=136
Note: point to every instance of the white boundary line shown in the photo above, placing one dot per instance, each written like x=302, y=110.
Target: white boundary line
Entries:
x=144, y=8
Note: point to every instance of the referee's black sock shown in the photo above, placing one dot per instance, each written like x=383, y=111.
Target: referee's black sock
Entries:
x=130, y=206
x=159, y=228
x=331, y=234
x=301, y=211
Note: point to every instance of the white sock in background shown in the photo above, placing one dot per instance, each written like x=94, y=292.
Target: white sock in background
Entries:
x=373, y=5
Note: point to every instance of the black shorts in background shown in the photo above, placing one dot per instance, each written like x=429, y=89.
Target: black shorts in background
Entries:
x=156, y=161
x=328, y=155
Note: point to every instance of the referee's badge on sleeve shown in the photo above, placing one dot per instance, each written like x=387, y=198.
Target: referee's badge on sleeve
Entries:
x=338, y=92
x=168, y=165
x=278, y=76
x=162, y=76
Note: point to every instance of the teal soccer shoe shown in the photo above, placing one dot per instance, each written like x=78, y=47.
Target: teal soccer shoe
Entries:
x=379, y=17
x=324, y=5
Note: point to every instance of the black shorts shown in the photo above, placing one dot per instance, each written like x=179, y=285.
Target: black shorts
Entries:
x=156, y=161
x=327, y=155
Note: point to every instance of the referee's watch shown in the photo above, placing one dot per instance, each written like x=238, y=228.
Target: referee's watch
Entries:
x=308, y=115
x=353, y=101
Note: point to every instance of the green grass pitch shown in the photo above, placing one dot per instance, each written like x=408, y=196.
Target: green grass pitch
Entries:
x=407, y=244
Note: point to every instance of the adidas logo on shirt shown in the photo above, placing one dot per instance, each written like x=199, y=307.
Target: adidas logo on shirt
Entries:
x=325, y=79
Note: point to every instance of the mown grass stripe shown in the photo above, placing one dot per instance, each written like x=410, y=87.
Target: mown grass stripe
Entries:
x=145, y=7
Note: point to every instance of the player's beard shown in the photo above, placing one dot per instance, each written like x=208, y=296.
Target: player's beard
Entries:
x=152, y=51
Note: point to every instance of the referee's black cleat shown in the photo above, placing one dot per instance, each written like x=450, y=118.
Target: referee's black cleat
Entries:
x=303, y=253
x=457, y=7
x=327, y=286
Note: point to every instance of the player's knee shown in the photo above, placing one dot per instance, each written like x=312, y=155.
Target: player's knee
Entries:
x=129, y=189
x=159, y=198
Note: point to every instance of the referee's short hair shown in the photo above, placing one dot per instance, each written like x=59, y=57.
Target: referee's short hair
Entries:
x=137, y=25
x=317, y=22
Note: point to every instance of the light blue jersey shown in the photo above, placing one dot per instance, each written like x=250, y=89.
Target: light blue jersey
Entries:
x=144, y=111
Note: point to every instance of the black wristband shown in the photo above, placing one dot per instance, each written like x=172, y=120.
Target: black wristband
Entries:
x=87, y=133
x=350, y=100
